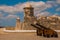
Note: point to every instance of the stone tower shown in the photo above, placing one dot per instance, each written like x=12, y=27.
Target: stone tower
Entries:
x=29, y=16
x=29, y=10
x=18, y=24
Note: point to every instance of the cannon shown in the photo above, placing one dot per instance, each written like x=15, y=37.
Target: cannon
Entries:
x=43, y=31
x=47, y=32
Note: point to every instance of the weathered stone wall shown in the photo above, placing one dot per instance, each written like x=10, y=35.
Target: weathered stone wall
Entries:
x=50, y=21
x=10, y=28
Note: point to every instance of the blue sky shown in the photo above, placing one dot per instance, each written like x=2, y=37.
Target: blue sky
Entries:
x=11, y=9
x=13, y=2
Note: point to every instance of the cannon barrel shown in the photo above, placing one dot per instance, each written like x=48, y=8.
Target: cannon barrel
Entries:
x=36, y=26
x=41, y=26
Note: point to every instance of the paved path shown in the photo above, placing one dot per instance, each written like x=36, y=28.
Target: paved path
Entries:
x=24, y=36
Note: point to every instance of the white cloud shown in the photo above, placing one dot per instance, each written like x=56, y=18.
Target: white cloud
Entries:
x=1, y=14
x=9, y=9
x=43, y=14
x=11, y=16
x=58, y=9
x=58, y=1
x=19, y=7
x=52, y=3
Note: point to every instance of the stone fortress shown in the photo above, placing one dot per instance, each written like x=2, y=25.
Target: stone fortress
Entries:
x=28, y=19
x=50, y=21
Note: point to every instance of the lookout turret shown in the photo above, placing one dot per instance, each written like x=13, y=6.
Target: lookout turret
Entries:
x=18, y=24
x=28, y=16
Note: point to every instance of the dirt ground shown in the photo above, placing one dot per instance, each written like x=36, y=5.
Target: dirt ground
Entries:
x=24, y=36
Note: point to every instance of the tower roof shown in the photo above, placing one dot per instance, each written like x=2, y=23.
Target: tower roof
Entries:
x=28, y=5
